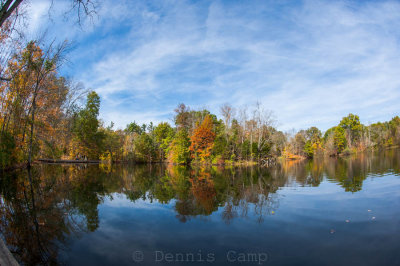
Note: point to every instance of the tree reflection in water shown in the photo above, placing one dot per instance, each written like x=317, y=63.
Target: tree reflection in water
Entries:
x=41, y=208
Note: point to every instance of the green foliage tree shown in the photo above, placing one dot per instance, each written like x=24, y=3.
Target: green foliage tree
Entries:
x=163, y=134
x=112, y=144
x=178, y=152
x=353, y=128
x=313, y=141
x=86, y=127
x=313, y=134
x=339, y=139
x=133, y=128
x=220, y=150
x=379, y=133
x=308, y=149
x=145, y=149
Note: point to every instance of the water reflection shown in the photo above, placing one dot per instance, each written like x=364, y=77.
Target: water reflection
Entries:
x=43, y=208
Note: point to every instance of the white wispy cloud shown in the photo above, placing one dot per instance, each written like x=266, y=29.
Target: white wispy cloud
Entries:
x=310, y=62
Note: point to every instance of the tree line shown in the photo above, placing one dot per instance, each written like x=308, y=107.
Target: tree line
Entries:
x=242, y=136
x=43, y=115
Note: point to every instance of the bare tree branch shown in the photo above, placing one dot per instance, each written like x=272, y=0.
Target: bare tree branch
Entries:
x=7, y=9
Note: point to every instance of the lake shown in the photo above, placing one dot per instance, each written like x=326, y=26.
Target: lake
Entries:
x=343, y=211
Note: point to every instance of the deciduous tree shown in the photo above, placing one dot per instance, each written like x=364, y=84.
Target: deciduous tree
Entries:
x=202, y=139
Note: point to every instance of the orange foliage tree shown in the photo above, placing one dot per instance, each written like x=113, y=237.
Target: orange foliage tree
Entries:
x=203, y=190
x=202, y=139
x=32, y=104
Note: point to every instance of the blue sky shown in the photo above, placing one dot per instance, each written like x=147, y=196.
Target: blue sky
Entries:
x=310, y=62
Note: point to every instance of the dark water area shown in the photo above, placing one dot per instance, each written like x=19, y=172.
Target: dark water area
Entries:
x=342, y=211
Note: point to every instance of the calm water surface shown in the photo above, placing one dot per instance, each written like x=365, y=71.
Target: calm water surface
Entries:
x=328, y=212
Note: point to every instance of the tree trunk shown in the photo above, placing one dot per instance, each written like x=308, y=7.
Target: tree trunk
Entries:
x=7, y=9
x=32, y=127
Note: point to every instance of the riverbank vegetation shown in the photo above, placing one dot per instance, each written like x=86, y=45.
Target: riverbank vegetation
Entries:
x=45, y=115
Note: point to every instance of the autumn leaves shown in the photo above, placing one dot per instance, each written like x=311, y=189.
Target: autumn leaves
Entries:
x=202, y=140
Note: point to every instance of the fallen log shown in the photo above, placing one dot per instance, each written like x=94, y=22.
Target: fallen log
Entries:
x=67, y=161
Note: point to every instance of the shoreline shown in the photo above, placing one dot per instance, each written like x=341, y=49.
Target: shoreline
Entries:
x=229, y=163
